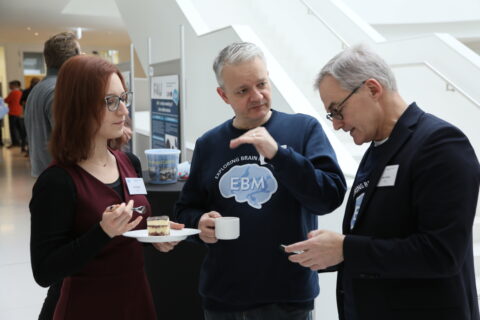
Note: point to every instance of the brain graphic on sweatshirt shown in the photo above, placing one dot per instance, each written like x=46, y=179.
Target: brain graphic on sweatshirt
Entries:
x=249, y=183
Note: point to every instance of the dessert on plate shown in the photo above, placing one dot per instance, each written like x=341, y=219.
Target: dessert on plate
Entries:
x=158, y=226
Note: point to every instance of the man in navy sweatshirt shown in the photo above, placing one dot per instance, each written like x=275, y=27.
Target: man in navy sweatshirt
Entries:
x=274, y=171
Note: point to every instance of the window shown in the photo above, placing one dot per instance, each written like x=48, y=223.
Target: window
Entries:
x=33, y=63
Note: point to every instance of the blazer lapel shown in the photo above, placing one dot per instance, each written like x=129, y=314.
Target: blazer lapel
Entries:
x=399, y=136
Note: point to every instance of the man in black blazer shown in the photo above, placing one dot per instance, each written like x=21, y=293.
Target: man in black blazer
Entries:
x=406, y=251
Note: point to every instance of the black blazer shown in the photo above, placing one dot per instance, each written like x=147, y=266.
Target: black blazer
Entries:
x=410, y=254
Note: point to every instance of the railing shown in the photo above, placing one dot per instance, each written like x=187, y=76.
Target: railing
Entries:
x=453, y=86
x=450, y=84
x=312, y=12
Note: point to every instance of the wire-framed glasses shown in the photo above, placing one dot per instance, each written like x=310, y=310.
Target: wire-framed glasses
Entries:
x=336, y=111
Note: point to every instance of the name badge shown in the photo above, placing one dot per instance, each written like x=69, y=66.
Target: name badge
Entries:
x=136, y=186
x=388, y=176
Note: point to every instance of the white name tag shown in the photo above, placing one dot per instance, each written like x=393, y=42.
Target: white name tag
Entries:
x=136, y=186
x=388, y=176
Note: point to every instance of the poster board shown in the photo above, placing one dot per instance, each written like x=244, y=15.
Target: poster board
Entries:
x=165, y=115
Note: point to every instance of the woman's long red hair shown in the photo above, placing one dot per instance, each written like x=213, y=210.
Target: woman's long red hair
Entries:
x=79, y=107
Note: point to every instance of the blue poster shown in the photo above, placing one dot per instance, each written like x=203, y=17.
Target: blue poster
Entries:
x=165, y=113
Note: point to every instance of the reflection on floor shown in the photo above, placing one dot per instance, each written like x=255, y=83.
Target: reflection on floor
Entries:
x=20, y=297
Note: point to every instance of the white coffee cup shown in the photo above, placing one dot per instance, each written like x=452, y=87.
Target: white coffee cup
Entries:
x=227, y=228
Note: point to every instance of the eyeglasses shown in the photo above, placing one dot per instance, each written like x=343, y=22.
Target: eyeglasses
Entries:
x=112, y=101
x=336, y=113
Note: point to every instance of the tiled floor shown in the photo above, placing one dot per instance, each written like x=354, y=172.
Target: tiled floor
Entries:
x=20, y=297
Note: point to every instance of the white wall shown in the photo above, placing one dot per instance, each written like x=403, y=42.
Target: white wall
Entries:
x=156, y=19
x=3, y=72
x=14, y=56
x=475, y=46
x=447, y=105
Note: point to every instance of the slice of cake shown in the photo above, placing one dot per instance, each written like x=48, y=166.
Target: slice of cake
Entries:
x=158, y=226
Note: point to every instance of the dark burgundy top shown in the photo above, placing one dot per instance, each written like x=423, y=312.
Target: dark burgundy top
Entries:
x=103, y=278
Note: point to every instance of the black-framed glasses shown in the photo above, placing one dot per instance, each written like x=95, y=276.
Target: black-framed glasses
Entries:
x=113, y=101
x=336, y=112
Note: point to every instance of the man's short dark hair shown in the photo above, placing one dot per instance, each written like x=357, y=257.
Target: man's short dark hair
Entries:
x=59, y=49
x=15, y=83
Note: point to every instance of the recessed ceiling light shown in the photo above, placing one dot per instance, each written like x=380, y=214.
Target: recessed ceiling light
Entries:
x=28, y=28
x=36, y=34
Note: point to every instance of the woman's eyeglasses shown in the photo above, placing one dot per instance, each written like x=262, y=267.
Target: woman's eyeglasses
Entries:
x=113, y=101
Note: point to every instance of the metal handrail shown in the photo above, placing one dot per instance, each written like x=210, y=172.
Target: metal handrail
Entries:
x=428, y=65
x=316, y=15
x=439, y=74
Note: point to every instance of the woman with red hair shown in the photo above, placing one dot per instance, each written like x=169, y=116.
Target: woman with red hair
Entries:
x=74, y=237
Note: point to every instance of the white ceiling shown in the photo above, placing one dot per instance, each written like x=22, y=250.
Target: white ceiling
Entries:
x=99, y=19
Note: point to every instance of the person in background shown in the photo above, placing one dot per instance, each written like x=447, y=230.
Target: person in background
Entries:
x=23, y=100
x=406, y=251
x=275, y=171
x=15, y=114
x=1, y=133
x=38, y=108
x=3, y=113
x=75, y=236
x=25, y=93
x=39, y=122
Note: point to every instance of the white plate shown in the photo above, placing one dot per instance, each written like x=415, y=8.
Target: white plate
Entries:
x=175, y=235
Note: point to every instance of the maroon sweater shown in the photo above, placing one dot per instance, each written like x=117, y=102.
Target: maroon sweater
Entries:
x=103, y=278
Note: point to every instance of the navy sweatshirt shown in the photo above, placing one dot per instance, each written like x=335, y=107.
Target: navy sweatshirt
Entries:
x=277, y=202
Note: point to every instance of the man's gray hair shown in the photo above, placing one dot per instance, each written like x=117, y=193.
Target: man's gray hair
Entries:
x=235, y=53
x=356, y=64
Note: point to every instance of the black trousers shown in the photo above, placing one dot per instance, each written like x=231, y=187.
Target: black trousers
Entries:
x=48, y=308
x=17, y=131
x=1, y=132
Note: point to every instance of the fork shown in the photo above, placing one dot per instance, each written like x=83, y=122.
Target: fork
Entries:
x=139, y=209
